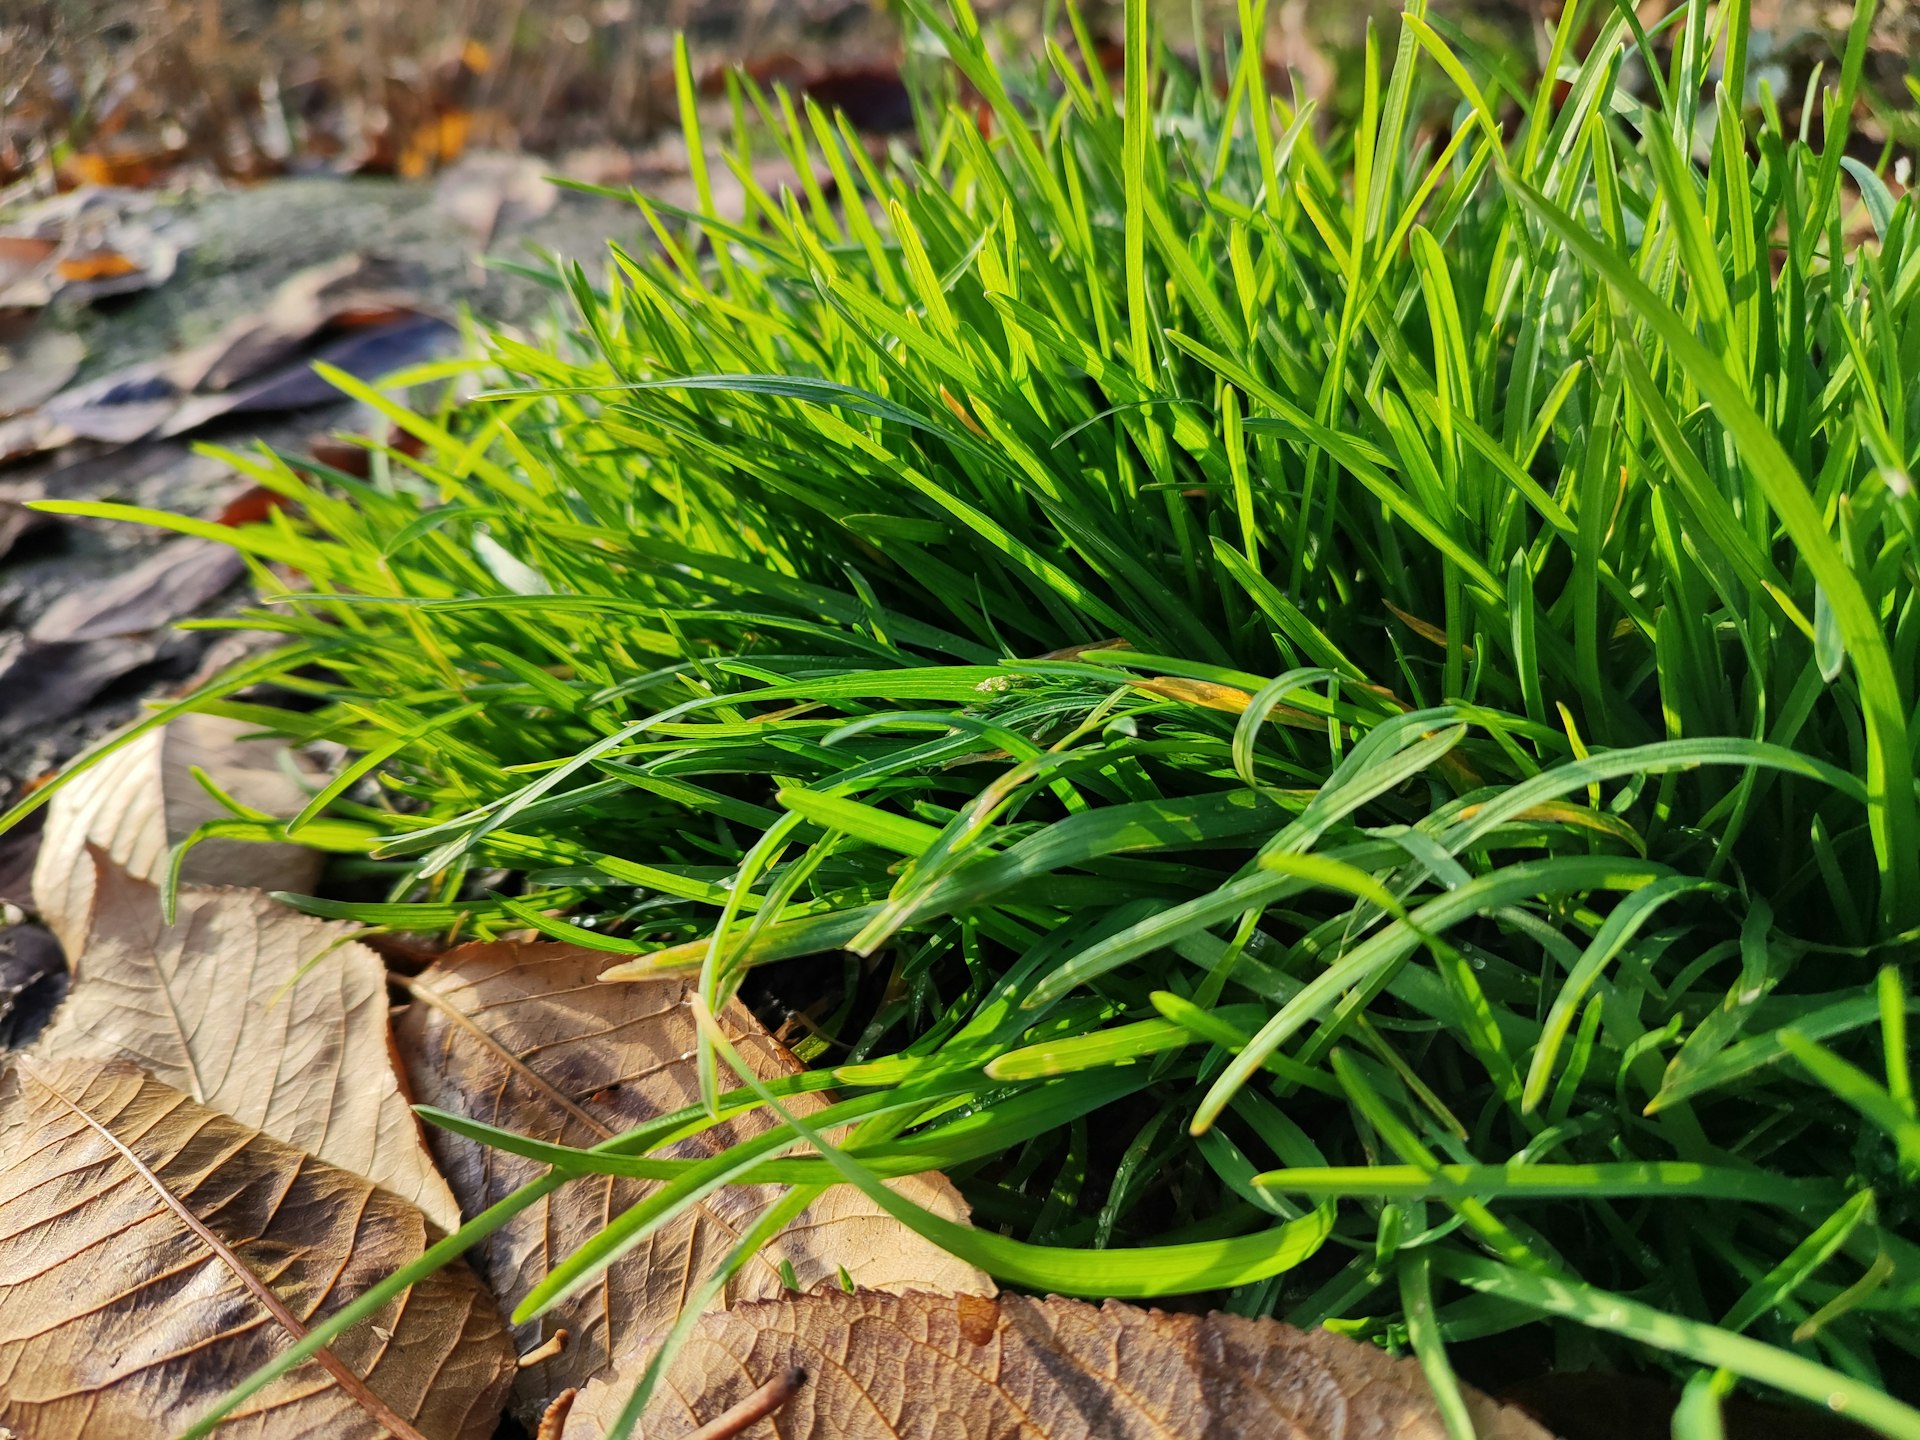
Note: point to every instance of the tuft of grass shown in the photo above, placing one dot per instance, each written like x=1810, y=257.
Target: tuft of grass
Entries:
x=1341, y=694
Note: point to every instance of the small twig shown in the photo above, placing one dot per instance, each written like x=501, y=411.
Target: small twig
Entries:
x=546, y=1349
x=757, y=1406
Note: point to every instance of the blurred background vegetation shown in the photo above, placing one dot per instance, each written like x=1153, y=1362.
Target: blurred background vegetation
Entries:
x=124, y=91
x=116, y=91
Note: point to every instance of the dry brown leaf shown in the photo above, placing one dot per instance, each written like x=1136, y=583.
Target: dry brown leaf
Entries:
x=101, y=264
x=302, y=306
x=526, y=1037
x=272, y=1017
x=18, y=849
x=964, y=1367
x=26, y=263
x=115, y=409
x=366, y=351
x=872, y=96
x=136, y=803
x=173, y=582
x=153, y=1253
x=128, y=163
x=122, y=258
x=32, y=433
x=45, y=684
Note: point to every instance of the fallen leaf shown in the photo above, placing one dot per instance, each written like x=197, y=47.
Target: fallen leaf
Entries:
x=138, y=802
x=964, y=1367
x=175, y=581
x=30, y=434
x=35, y=370
x=136, y=259
x=874, y=98
x=103, y=242
x=115, y=409
x=272, y=1017
x=21, y=255
x=44, y=683
x=251, y=506
x=781, y=67
x=526, y=1038
x=25, y=268
x=368, y=353
x=436, y=141
x=341, y=453
x=136, y=165
x=95, y=265
x=154, y=1252
x=350, y=288
x=32, y=972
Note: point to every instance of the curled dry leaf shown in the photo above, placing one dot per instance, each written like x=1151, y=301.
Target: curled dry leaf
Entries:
x=153, y=1253
x=141, y=800
x=963, y=1367
x=304, y=305
x=115, y=409
x=177, y=579
x=43, y=684
x=26, y=265
x=272, y=1017
x=526, y=1038
x=367, y=351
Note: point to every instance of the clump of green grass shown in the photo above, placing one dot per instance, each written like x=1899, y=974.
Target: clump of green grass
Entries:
x=1346, y=705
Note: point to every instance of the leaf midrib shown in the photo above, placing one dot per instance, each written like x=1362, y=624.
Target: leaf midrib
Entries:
x=351, y=1384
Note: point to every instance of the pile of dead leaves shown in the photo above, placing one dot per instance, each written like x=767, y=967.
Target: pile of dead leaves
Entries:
x=209, y=1149
x=129, y=430
x=351, y=314
x=137, y=94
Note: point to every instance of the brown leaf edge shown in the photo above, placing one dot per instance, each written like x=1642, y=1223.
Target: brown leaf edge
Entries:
x=522, y=1035
x=133, y=1217
x=968, y=1367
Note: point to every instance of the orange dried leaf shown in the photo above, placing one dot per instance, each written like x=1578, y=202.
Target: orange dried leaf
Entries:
x=95, y=265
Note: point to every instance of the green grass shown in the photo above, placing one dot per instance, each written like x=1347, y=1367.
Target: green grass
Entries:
x=1344, y=705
